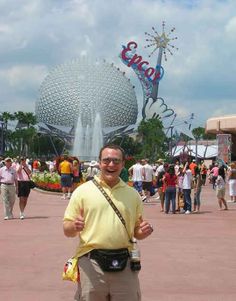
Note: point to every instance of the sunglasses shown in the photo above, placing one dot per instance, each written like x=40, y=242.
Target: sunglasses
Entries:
x=115, y=161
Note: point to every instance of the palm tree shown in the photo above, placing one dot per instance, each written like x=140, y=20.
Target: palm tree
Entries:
x=5, y=117
x=26, y=121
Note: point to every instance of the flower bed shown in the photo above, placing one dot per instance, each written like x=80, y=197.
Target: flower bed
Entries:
x=47, y=181
x=52, y=181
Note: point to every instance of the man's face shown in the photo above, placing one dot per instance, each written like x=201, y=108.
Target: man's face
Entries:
x=8, y=164
x=111, y=164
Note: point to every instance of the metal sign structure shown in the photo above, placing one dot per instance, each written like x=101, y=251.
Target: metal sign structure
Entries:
x=149, y=77
x=224, y=142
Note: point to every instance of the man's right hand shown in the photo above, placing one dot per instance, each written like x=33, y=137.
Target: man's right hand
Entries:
x=72, y=228
x=79, y=221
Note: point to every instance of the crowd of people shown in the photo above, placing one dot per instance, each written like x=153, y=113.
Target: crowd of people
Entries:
x=178, y=186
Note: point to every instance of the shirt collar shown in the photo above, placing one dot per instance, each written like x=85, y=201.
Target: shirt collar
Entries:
x=103, y=183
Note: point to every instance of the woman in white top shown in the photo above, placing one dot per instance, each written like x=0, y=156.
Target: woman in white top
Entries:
x=220, y=188
x=232, y=182
x=23, y=177
x=187, y=183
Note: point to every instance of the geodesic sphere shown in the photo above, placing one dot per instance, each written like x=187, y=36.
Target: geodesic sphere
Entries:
x=82, y=88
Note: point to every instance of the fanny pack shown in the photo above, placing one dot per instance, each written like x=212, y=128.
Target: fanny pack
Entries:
x=110, y=260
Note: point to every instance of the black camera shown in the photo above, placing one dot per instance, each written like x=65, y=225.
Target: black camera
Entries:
x=135, y=265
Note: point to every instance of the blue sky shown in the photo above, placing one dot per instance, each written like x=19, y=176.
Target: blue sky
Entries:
x=35, y=36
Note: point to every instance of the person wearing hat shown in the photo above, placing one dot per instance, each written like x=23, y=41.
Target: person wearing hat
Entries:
x=9, y=188
x=92, y=170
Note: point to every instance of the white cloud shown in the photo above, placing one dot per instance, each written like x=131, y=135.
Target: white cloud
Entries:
x=20, y=77
x=5, y=29
x=37, y=35
x=230, y=28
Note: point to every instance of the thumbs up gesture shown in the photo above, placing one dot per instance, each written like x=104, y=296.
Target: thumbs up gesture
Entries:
x=79, y=221
x=144, y=229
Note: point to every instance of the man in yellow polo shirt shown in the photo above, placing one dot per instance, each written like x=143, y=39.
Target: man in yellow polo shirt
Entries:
x=66, y=172
x=90, y=216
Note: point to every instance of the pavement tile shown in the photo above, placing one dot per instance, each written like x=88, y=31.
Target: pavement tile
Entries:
x=188, y=257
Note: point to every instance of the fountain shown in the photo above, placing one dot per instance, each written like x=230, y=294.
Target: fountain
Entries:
x=88, y=139
x=77, y=146
x=97, y=138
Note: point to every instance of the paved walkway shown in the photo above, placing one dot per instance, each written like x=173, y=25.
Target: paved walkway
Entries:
x=188, y=258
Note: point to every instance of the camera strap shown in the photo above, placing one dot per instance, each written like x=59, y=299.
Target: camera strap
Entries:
x=26, y=173
x=112, y=205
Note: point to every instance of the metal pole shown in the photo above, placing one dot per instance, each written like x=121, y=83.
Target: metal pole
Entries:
x=2, y=139
x=171, y=136
x=196, y=158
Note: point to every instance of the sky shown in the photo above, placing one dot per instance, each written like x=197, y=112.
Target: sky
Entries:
x=199, y=78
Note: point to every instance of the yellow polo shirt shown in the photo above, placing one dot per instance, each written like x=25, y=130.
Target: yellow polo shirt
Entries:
x=103, y=229
x=65, y=167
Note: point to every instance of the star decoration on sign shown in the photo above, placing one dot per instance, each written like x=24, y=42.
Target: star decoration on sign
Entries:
x=161, y=41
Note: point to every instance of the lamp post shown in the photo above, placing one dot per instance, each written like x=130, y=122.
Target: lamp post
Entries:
x=171, y=140
x=196, y=149
x=2, y=138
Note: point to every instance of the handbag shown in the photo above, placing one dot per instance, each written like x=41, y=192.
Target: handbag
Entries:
x=32, y=184
x=71, y=270
x=110, y=260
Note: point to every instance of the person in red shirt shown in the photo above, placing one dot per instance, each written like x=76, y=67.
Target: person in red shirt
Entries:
x=192, y=167
x=170, y=180
x=36, y=165
x=203, y=173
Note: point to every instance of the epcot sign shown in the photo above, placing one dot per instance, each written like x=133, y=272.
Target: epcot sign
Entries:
x=135, y=61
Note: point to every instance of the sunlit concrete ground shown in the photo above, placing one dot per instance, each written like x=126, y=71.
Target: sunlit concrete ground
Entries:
x=189, y=257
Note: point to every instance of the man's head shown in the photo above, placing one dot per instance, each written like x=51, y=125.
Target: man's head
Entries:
x=159, y=161
x=112, y=146
x=111, y=162
x=65, y=157
x=143, y=162
x=93, y=163
x=166, y=166
x=8, y=161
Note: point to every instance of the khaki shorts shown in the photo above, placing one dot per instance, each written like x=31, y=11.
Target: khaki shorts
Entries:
x=99, y=285
x=220, y=193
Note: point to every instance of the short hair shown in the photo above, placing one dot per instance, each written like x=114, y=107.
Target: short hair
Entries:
x=221, y=172
x=197, y=170
x=112, y=146
x=171, y=169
